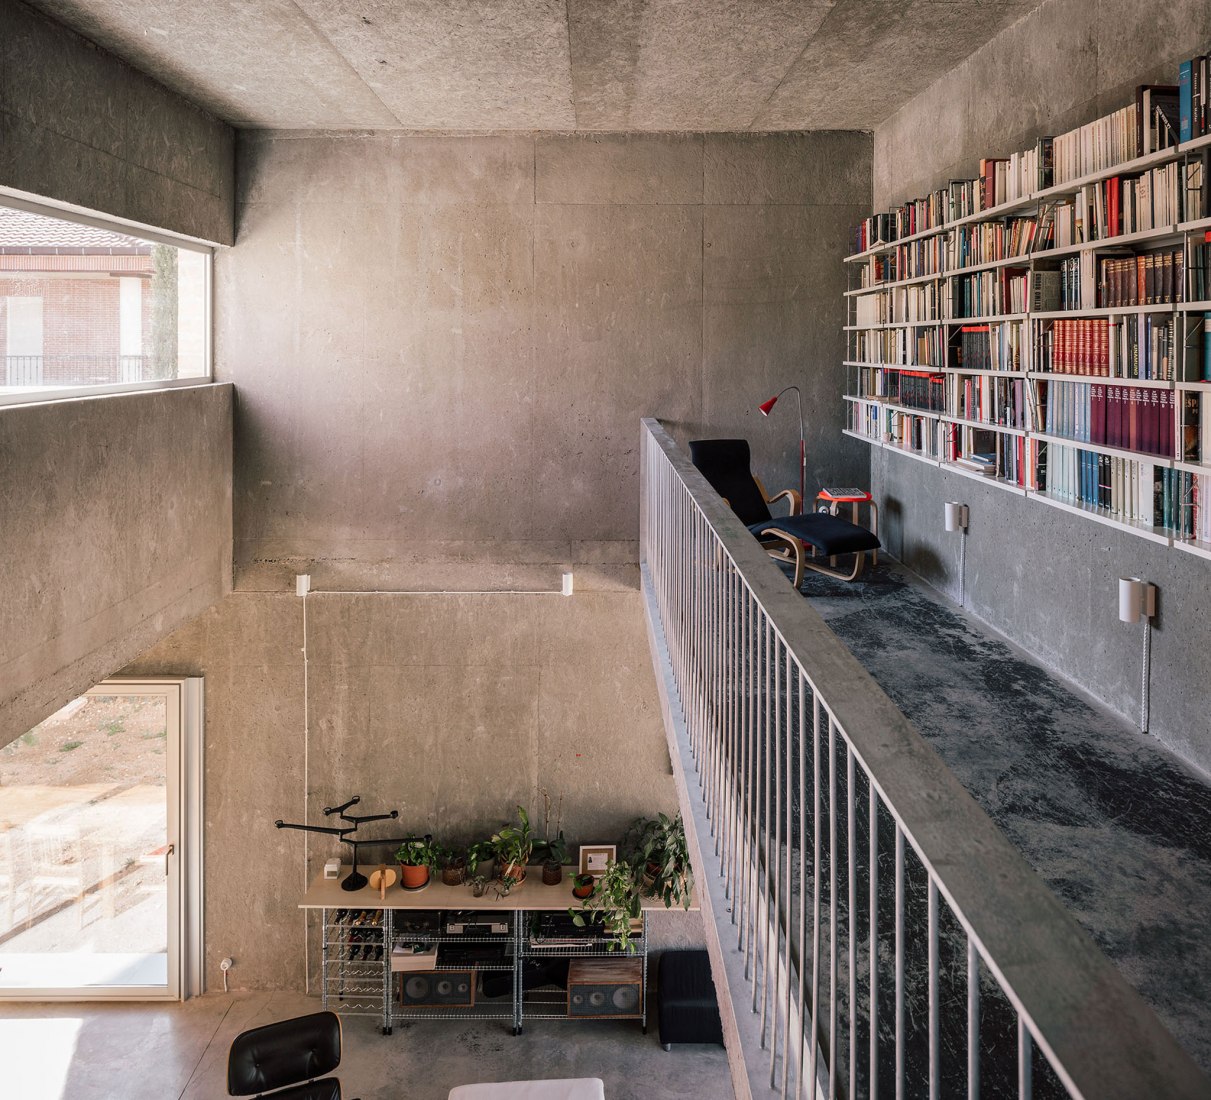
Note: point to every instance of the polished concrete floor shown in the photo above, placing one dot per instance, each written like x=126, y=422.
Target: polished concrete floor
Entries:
x=179, y=1052
x=1117, y=826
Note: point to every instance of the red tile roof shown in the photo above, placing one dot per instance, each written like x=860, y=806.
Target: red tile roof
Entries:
x=21, y=231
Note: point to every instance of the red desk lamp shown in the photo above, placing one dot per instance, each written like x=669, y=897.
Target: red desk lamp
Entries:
x=765, y=408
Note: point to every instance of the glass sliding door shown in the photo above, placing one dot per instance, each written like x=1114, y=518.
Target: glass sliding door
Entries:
x=90, y=880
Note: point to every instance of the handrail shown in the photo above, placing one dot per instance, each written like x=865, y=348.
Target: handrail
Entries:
x=715, y=599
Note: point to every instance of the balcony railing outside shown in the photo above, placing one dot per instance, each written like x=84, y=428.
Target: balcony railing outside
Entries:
x=873, y=933
x=72, y=370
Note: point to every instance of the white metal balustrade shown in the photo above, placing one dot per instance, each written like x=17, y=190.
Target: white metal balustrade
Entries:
x=893, y=942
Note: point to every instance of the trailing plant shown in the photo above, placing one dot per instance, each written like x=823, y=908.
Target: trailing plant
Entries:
x=657, y=851
x=614, y=904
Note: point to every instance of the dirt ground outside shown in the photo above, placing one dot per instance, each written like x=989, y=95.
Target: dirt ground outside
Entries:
x=82, y=830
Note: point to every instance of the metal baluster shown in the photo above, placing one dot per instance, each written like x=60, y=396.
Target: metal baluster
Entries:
x=762, y=898
x=1025, y=1073
x=832, y=909
x=803, y=1024
x=899, y=962
x=788, y=803
x=973, y=1021
x=873, y=859
x=815, y=1042
x=851, y=852
x=935, y=1050
x=775, y=863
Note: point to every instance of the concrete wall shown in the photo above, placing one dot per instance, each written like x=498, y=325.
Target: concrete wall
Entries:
x=442, y=345
x=82, y=128
x=451, y=709
x=115, y=529
x=442, y=348
x=1045, y=578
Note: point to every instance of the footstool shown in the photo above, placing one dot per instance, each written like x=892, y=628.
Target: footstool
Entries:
x=685, y=999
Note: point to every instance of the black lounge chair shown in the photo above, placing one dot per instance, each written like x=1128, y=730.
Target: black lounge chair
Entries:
x=726, y=464
x=294, y=1053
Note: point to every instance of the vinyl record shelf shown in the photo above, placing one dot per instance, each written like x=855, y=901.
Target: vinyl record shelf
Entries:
x=360, y=932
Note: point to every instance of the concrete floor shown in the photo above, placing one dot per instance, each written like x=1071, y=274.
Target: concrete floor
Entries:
x=1118, y=827
x=179, y=1052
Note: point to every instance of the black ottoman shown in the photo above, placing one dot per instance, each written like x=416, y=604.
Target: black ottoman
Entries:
x=685, y=999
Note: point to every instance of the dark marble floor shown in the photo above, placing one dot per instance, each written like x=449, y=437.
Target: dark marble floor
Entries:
x=1119, y=828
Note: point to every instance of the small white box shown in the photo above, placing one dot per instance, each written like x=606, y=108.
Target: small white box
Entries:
x=410, y=957
x=332, y=869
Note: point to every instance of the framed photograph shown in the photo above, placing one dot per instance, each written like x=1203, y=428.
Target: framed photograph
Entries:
x=595, y=857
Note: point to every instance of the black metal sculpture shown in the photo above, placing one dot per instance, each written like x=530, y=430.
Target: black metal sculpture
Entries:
x=355, y=880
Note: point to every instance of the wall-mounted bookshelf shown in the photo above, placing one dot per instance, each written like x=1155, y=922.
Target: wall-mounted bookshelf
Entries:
x=1045, y=328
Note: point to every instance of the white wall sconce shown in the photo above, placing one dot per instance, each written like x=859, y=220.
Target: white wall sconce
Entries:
x=1136, y=601
x=567, y=584
x=957, y=517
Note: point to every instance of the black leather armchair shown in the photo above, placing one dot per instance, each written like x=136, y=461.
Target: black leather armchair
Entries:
x=291, y=1056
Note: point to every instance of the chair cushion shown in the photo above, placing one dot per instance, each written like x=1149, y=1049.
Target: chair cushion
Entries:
x=285, y=1053
x=685, y=999
x=828, y=534
x=726, y=465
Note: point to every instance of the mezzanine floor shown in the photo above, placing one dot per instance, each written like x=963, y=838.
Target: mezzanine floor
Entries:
x=1117, y=826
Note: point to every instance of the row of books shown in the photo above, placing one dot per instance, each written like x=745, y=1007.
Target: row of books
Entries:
x=1153, y=122
x=1018, y=460
x=996, y=346
x=987, y=242
x=1004, y=401
x=921, y=302
x=1198, y=282
x=1193, y=93
x=1154, y=278
x=1130, y=491
x=1112, y=416
x=916, y=390
x=1099, y=211
x=900, y=347
x=1135, y=347
x=989, y=292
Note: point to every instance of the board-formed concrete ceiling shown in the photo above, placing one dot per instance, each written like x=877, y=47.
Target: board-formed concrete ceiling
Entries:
x=544, y=64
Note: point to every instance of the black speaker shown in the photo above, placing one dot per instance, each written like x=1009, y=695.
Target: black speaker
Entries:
x=446, y=988
x=605, y=988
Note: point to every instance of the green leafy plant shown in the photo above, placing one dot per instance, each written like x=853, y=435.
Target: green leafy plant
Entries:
x=479, y=853
x=68, y=746
x=513, y=844
x=421, y=852
x=614, y=904
x=657, y=852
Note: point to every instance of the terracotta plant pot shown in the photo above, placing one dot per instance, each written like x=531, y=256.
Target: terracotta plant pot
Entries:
x=515, y=871
x=552, y=873
x=410, y=877
x=582, y=889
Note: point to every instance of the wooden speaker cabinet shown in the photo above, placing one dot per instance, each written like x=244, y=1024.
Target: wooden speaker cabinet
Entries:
x=605, y=989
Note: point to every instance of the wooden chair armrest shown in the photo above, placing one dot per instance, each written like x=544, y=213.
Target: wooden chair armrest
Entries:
x=796, y=501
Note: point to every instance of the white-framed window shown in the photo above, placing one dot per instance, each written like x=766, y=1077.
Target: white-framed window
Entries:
x=89, y=305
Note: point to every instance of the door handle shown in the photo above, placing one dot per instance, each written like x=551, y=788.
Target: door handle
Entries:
x=167, y=852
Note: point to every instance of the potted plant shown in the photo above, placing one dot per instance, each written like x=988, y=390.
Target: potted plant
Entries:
x=657, y=852
x=416, y=858
x=479, y=859
x=582, y=886
x=615, y=905
x=453, y=863
x=553, y=854
x=512, y=847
